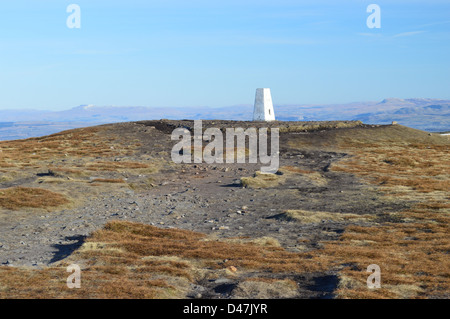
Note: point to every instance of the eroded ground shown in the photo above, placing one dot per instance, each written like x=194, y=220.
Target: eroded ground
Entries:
x=110, y=199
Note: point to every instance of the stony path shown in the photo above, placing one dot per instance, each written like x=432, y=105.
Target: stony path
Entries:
x=205, y=198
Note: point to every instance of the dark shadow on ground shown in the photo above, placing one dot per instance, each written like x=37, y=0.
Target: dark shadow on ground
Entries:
x=324, y=286
x=64, y=250
x=235, y=185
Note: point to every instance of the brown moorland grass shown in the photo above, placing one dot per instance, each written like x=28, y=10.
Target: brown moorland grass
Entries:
x=146, y=240
x=25, y=197
x=70, y=159
x=411, y=255
x=127, y=260
x=299, y=170
x=262, y=288
x=113, y=166
x=235, y=153
x=320, y=126
x=108, y=180
x=261, y=180
x=48, y=147
x=413, y=252
x=311, y=217
x=78, y=143
x=131, y=260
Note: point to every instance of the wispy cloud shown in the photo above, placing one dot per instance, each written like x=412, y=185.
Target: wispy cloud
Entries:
x=407, y=34
x=434, y=23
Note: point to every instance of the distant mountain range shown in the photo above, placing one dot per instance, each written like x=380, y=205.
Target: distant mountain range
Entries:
x=425, y=114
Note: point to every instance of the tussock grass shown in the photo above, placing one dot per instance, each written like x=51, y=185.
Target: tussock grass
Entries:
x=66, y=172
x=316, y=178
x=78, y=143
x=293, y=169
x=412, y=257
x=319, y=126
x=148, y=240
x=413, y=253
x=68, y=160
x=24, y=197
x=314, y=217
x=262, y=288
x=260, y=180
x=76, y=148
x=234, y=152
x=108, y=180
x=131, y=260
x=266, y=241
x=114, y=166
x=260, y=241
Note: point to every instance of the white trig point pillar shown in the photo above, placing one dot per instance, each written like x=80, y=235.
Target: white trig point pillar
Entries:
x=263, y=110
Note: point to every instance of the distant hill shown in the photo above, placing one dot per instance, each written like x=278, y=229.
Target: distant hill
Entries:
x=425, y=114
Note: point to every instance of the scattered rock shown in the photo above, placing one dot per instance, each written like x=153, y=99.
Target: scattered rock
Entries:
x=223, y=280
x=232, y=269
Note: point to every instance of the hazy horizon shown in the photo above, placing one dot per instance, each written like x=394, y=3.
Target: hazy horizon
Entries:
x=223, y=106
x=420, y=113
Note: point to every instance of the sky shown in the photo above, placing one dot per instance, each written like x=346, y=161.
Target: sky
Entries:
x=172, y=53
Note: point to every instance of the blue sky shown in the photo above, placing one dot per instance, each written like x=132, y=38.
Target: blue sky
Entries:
x=216, y=53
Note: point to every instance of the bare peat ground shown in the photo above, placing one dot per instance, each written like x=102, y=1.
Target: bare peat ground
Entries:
x=108, y=198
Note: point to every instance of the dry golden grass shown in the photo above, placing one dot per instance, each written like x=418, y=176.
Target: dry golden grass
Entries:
x=262, y=288
x=314, y=217
x=319, y=126
x=23, y=197
x=260, y=180
x=234, y=152
x=128, y=260
x=412, y=254
x=266, y=241
x=418, y=168
x=108, y=180
x=114, y=166
x=100, y=282
x=65, y=144
x=147, y=240
x=83, y=143
x=68, y=160
x=298, y=170
x=131, y=260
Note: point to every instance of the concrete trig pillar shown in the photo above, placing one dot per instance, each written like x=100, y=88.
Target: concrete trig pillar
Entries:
x=263, y=110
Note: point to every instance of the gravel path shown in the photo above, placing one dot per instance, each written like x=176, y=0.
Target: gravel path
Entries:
x=208, y=199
